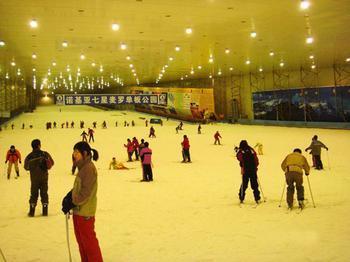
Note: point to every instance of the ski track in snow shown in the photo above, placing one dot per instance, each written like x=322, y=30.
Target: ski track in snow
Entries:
x=190, y=212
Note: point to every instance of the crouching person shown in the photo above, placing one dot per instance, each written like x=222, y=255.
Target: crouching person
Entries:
x=82, y=199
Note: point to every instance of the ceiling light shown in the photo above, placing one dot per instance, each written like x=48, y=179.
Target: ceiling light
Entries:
x=188, y=30
x=33, y=23
x=210, y=76
x=227, y=51
x=177, y=48
x=253, y=34
x=131, y=65
x=192, y=72
x=199, y=67
x=281, y=64
x=348, y=59
x=182, y=78
x=304, y=4
x=82, y=57
x=123, y=46
x=260, y=69
x=115, y=27
x=211, y=60
x=231, y=68
x=54, y=64
x=2, y=43
x=128, y=58
x=13, y=63
x=311, y=57
x=271, y=53
x=313, y=66
x=219, y=73
x=64, y=43
x=33, y=69
x=309, y=40
x=34, y=56
x=93, y=64
x=247, y=62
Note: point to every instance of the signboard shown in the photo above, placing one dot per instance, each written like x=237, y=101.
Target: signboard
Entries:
x=111, y=99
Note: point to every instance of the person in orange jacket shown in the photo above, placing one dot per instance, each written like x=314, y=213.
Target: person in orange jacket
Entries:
x=13, y=156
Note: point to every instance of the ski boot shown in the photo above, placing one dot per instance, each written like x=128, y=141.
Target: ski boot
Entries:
x=31, y=210
x=8, y=176
x=45, y=211
x=301, y=204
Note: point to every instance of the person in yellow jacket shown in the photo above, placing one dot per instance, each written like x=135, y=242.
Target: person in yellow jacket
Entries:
x=82, y=199
x=293, y=166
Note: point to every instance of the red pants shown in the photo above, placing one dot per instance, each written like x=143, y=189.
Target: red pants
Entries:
x=86, y=238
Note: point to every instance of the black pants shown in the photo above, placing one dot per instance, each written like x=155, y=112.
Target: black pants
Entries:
x=136, y=154
x=186, y=155
x=147, y=172
x=318, y=162
x=91, y=138
x=130, y=156
x=36, y=186
x=253, y=183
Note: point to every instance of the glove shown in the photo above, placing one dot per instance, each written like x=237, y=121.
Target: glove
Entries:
x=327, y=148
x=20, y=161
x=67, y=203
x=6, y=162
x=306, y=174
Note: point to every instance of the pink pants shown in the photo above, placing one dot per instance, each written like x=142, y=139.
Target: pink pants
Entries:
x=86, y=237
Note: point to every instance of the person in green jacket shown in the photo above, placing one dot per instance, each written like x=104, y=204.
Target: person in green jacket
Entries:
x=83, y=200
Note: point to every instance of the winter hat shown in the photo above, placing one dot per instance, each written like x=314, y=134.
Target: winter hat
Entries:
x=12, y=147
x=243, y=144
x=36, y=143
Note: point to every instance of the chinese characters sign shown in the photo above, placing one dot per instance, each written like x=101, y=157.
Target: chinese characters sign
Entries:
x=108, y=99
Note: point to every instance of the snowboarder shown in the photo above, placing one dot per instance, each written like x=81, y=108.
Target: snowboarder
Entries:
x=315, y=148
x=146, y=160
x=186, y=150
x=38, y=162
x=260, y=148
x=293, y=166
x=199, y=129
x=130, y=149
x=84, y=136
x=217, y=137
x=13, y=156
x=248, y=162
x=152, y=132
x=136, y=145
x=91, y=135
x=82, y=199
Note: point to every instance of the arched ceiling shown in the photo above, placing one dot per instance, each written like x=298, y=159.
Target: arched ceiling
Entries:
x=152, y=29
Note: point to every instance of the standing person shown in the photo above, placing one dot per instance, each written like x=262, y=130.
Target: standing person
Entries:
x=13, y=156
x=83, y=200
x=217, y=137
x=38, y=162
x=54, y=124
x=72, y=124
x=132, y=123
x=152, y=132
x=146, y=160
x=146, y=122
x=315, y=148
x=94, y=124
x=248, y=162
x=116, y=123
x=130, y=149
x=293, y=166
x=260, y=148
x=177, y=129
x=104, y=124
x=84, y=136
x=91, y=135
x=23, y=126
x=199, y=129
x=180, y=125
x=186, y=150
x=136, y=145
x=141, y=145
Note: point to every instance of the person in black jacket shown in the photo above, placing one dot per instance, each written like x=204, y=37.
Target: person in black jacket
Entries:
x=38, y=162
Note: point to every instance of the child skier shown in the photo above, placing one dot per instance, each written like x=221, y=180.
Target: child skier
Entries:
x=217, y=137
x=315, y=148
x=84, y=136
x=13, y=156
x=91, y=135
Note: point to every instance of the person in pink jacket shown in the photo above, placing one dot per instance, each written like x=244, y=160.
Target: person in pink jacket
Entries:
x=130, y=149
x=146, y=160
x=186, y=150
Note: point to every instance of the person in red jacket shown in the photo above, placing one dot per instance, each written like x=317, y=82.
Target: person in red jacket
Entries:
x=91, y=135
x=13, y=156
x=248, y=162
x=130, y=149
x=146, y=160
x=217, y=137
x=186, y=150
x=135, y=144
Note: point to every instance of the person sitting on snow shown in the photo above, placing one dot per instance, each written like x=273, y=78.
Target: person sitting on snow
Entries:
x=114, y=164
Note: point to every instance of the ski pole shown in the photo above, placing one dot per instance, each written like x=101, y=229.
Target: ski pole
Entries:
x=308, y=181
x=284, y=187
x=329, y=163
x=2, y=254
x=67, y=234
x=262, y=192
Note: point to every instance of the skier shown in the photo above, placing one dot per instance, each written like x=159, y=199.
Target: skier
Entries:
x=293, y=166
x=130, y=149
x=82, y=199
x=116, y=123
x=141, y=145
x=84, y=136
x=146, y=122
x=54, y=124
x=315, y=148
x=12, y=126
x=161, y=122
x=186, y=150
x=199, y=129
x=114, y=164
x=136, y=145
x=91, y=135
x=94, y=124
x=13, y=156
x=62, y=125
x=177, y=129
x=104, y=124
x=125, y=123
x=152, y=132
x=260, y=148
x=38, y=162
x=67, y=124
x=146, y=160
x=72, y=124
x=132, y=123
x=23, y=125
x=82, y=124
x=180, y=125
x=248, y=162
x=217, y=137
